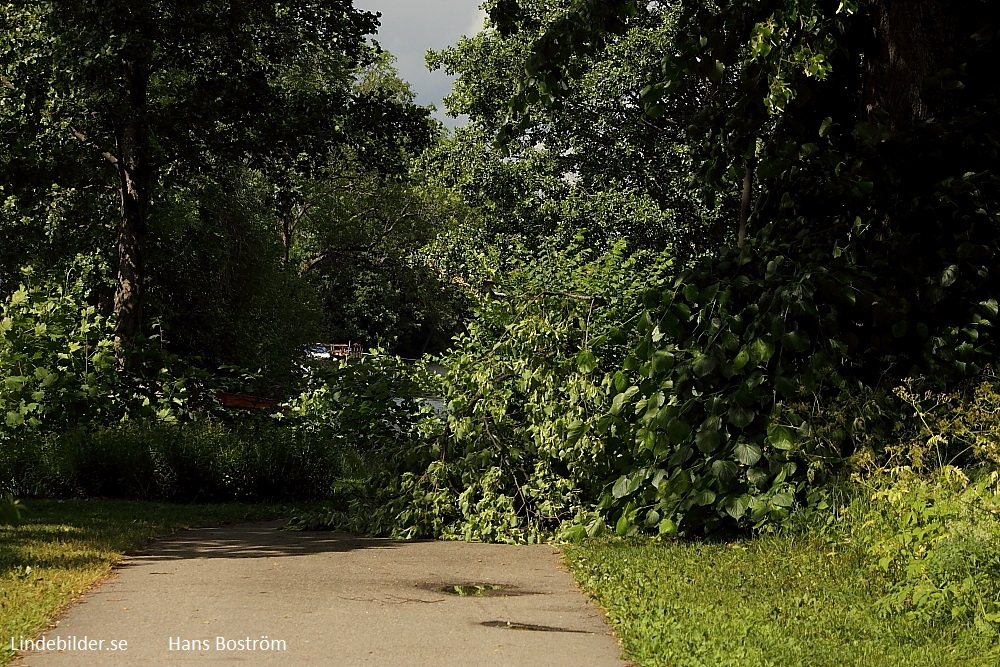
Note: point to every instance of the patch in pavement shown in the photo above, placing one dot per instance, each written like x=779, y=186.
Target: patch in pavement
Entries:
x=478, y=590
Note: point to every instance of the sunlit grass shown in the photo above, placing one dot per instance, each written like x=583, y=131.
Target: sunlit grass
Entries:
x=767, y=601
x=65, y=547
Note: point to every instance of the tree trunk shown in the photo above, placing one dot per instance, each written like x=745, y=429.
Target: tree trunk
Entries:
x=136, y=181
x=746, y=199
x=912, y=42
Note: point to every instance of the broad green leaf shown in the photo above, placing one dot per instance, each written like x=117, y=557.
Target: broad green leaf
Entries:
x=623, y=525
x=795, y=341
x=725, y=470
x=741, y=360
x=780, y=437
x=575, y=431
x=681, y=456
x=586, y=361
x=627, y=485
x=740, y=416
x=785, y=387
x=757, y=476
x=617, y=404
x=761, y=350
x=678, y=431
x=782, y=500
x=708, y=439
x=949, y=276
x=15, y=382
x=737, y=507
x=704, y=497
x=704, y=364
x=668, y=527
x=747, y=453
x=662, y=361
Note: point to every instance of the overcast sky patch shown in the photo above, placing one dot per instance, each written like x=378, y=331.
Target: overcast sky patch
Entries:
x=411, y=27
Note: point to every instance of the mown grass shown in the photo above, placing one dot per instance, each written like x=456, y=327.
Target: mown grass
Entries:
x=63, y=547
x=784, y=601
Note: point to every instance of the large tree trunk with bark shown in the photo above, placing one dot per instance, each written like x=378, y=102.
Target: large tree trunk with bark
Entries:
x=135, y=181
x=913, y=41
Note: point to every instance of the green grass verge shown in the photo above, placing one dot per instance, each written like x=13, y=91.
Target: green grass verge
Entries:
x=63, y=547
x=768, y=601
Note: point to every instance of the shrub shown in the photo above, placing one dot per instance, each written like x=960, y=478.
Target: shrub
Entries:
x=192, y=462
x=518, y=459
x=56, y=357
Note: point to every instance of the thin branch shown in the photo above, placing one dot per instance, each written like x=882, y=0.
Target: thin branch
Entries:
x=82, y=137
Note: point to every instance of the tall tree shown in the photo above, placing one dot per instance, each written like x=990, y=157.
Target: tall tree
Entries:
x=864, y=134
x=114, y=95
x=587, y=160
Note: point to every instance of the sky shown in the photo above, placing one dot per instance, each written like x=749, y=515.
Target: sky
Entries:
x=411, y=27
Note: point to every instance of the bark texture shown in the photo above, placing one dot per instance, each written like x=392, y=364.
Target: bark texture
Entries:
x=913, y=41
x=135, y=181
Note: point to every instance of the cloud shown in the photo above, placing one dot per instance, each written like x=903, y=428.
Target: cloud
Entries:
x=411, y=27
x=478, y=25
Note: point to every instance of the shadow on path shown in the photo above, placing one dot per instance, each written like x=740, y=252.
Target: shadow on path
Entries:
x=256, y=541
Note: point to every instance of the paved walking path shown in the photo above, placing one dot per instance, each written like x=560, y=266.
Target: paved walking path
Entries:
x=255, y=595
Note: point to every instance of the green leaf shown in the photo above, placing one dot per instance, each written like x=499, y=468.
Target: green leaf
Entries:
x=782, y=500
x=662, y=361
x=704, y=497
x=725, y=470
x=785, y=387
x=741, y=360
x=747, y=453
x=627, y=485
x=678, y=431
x=624, y=524
x=737, y=507
x=795, y=341
x=15, y=382
x=780, y=437
x=949, y=276
x=708, y=439
x=586, y=361
x=680, y=457
x=757, y=476
x=761, y=350
x=704, y=365
x=575, y=431
x=740, y=416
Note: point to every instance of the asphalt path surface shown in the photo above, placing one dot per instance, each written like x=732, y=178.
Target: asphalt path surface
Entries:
x=253, y=594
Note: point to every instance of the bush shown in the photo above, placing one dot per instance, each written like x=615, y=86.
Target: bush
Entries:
x=518, y=459
x=195, y=462
x=56, y=356
x=938, y=537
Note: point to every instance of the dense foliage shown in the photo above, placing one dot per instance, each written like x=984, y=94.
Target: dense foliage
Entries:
x=690, y=267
